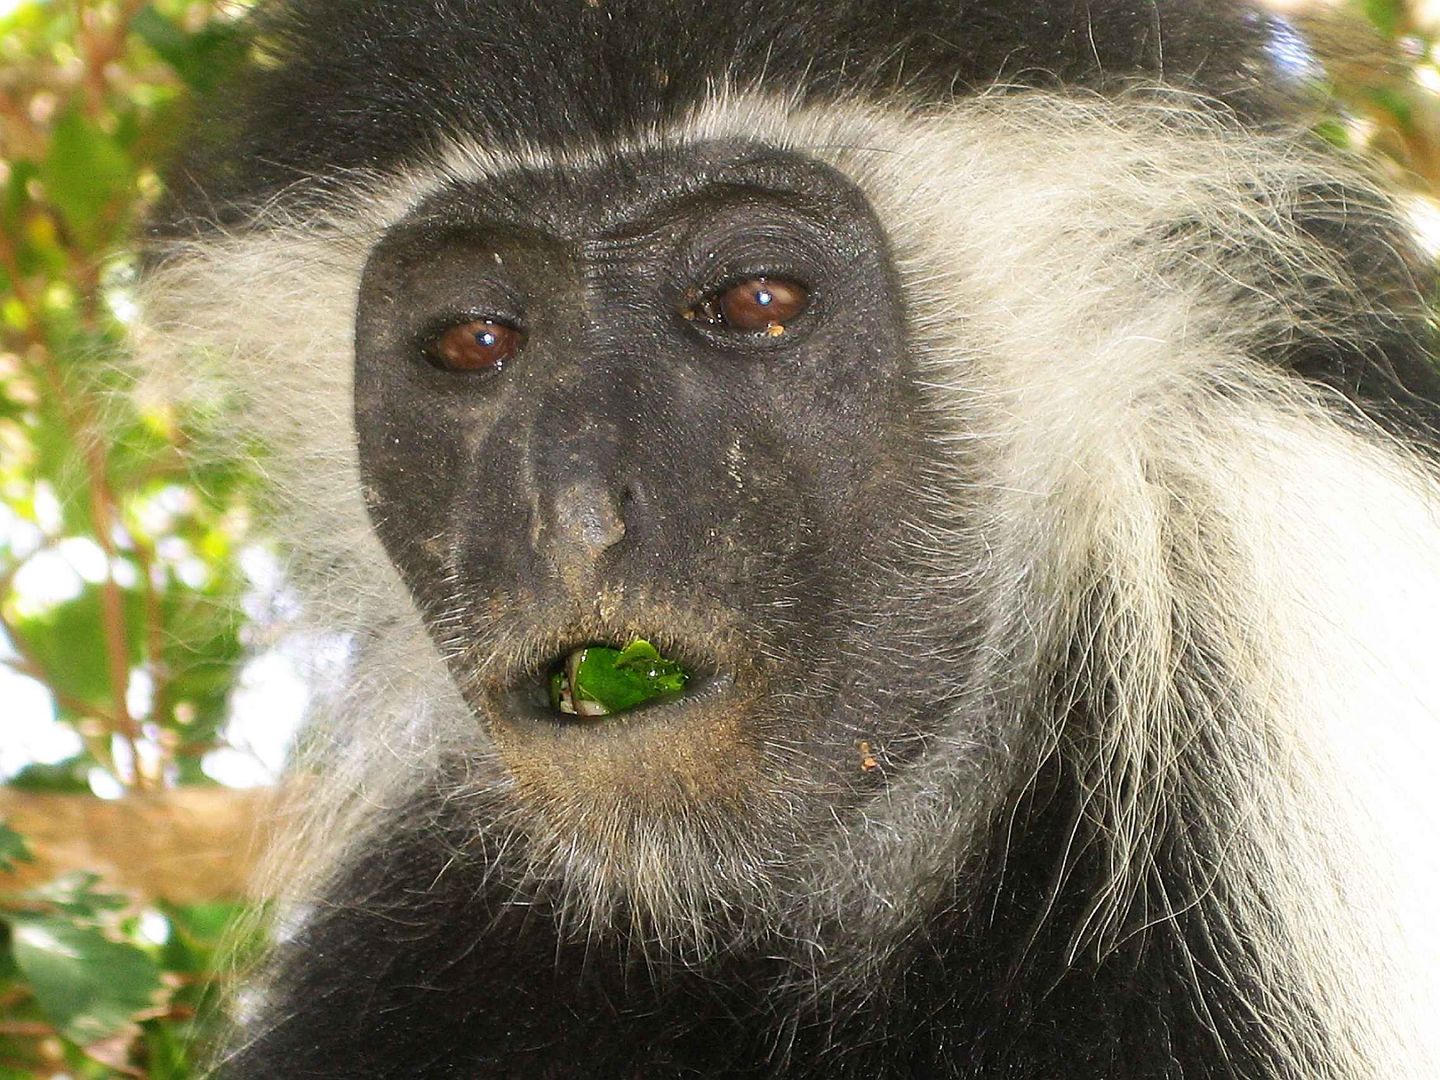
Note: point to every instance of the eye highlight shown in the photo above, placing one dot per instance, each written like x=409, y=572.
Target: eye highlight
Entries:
x=757, y=305
x=479, y=345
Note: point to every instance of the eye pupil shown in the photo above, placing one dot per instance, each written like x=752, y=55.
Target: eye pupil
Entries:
x=479, y=345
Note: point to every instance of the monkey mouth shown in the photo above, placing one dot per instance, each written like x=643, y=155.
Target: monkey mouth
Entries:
x=600, y=680
x=562, y=689
x=675, y=677
x=666, y=756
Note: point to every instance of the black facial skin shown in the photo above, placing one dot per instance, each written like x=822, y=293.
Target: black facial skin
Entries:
x=738, y=498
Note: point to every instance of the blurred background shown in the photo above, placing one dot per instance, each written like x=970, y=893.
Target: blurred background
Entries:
x=150, y=684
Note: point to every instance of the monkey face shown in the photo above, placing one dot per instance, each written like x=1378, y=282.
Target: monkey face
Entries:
x=666, y=397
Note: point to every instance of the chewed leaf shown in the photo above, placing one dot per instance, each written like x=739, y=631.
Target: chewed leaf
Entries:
x=618, y=679
x=638, y=652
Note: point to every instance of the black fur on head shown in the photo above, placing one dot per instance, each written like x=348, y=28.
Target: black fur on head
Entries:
x=372, y=84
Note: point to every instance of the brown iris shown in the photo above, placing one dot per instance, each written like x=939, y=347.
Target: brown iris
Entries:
x=755, y=305
x=480, y=345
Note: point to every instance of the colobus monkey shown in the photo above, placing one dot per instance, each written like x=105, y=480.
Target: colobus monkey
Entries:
x=1021, y=433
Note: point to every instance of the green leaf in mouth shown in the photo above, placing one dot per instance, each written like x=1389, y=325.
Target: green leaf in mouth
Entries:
x=599, y=680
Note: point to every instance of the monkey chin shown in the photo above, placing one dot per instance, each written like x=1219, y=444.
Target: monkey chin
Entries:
x=671, y=754
x=680, y=763
x=657, y=825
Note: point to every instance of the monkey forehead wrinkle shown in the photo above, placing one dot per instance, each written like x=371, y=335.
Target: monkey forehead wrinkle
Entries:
x=624, y=200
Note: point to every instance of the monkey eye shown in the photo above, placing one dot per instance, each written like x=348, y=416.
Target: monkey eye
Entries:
x=478, y=345
x=756, y=305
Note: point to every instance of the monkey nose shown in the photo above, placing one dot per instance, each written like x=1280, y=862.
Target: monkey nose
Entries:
x=585, y=523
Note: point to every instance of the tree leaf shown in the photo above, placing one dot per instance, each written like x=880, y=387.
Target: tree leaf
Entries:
x=71, y=775
x=75, y=895
x=88, y=986
x=68, y=641
x=1384, y=14
x=202, y=652
x=166, y=1055
x=621, y=679
x=202, y=59
x=13, y=849
x=196, y=934
x=85, y=173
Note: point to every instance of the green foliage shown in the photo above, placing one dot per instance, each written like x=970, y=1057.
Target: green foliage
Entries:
x=199, y=57
x=93, y=985
x=87, y=176
x=1382, y=64
x=70, y=775
x=89, y=986
x=13, y=849
x=119, y=572
x=94, y=491
x=1386, y=15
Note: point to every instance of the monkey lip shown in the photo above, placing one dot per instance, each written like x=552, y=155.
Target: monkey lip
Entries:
x=698, y=688
x=526, y=695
